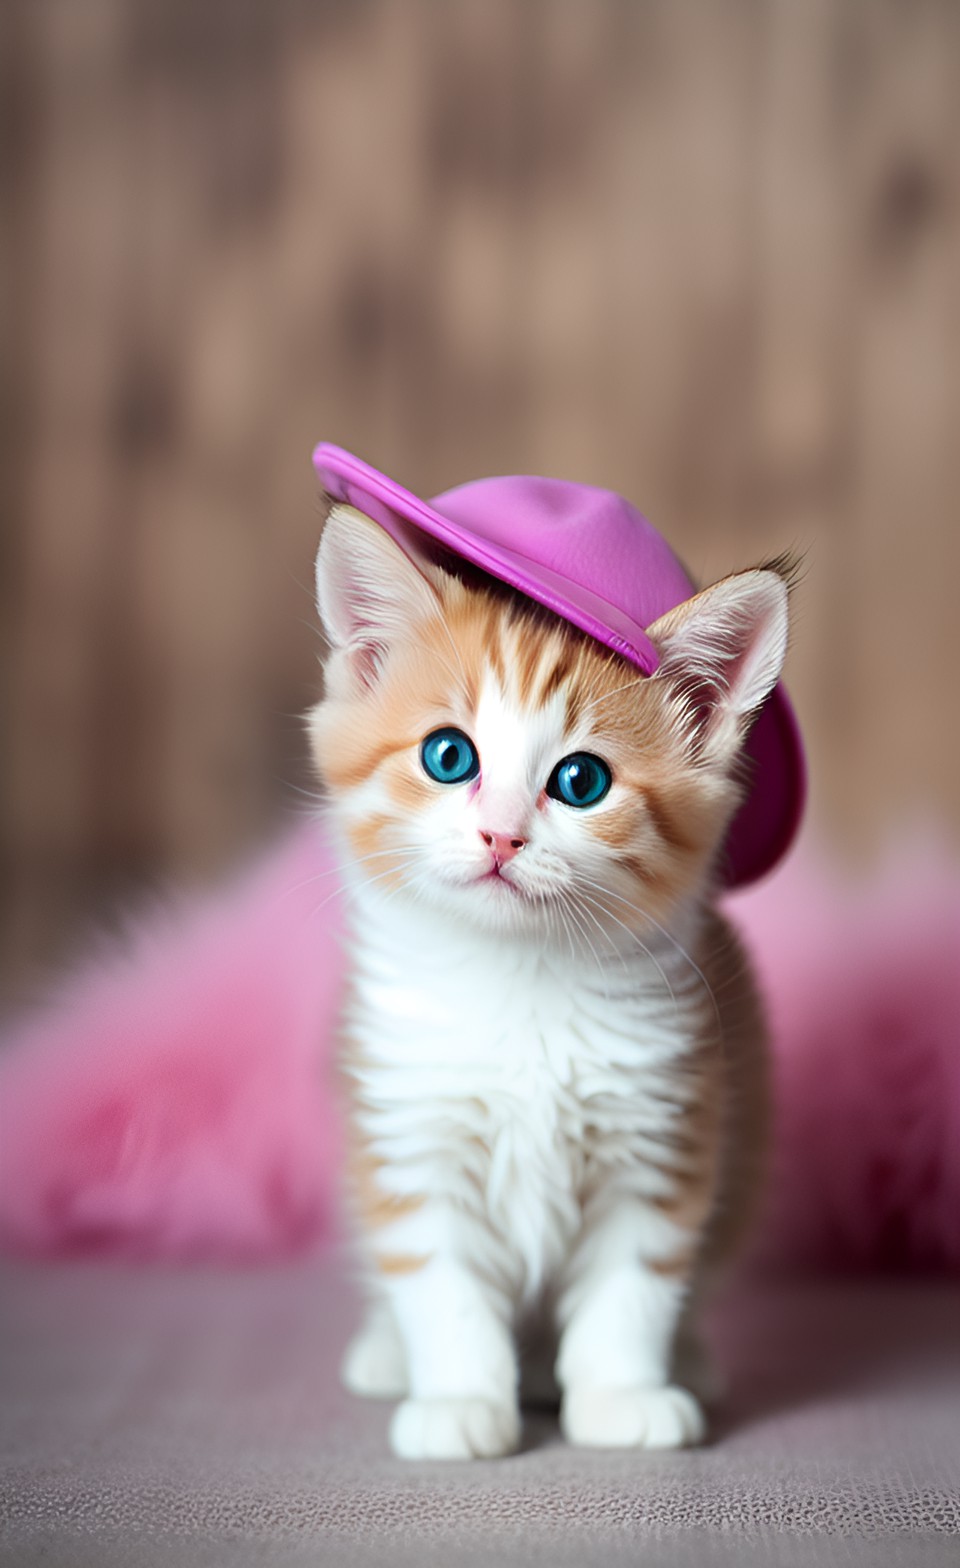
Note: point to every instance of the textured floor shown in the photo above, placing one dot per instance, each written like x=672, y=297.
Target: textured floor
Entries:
x=194, y=1418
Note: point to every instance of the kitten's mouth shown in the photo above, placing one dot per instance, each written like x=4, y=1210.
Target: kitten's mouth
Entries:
x=495, y=877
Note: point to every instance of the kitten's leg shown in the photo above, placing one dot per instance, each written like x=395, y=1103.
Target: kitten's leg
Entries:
x=375, y=1365
x=619, y=1317
x=461, y=1363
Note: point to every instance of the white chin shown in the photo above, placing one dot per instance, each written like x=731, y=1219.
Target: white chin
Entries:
x=493, y=904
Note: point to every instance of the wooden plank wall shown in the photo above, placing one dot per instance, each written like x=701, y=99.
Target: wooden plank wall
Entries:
x=702, y=251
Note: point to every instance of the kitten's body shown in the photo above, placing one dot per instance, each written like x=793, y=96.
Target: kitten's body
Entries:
x=554, y=1059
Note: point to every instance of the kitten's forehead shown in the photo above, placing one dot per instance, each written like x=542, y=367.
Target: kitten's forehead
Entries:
x=530, y=688
x=535, y=666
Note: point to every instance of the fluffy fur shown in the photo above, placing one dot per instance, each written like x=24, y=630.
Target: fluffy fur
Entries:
x=553, y=1050
x=863, y=982
x=173, y=1101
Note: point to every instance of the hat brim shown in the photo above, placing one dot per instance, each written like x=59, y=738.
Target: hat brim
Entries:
x=348, y=478
x=767, y=822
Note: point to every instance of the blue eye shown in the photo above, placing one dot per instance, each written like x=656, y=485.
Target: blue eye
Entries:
x=580, y=779
x=450, y=757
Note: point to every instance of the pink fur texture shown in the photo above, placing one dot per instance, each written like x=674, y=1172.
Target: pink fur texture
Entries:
x=176, y=1100
x=862, y=980
x=173, y=1100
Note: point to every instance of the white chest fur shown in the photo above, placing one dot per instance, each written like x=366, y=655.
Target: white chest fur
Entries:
x=506, y=1079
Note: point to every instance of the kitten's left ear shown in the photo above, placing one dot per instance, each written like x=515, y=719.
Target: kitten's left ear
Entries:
x=370, y=594
x=724, y=650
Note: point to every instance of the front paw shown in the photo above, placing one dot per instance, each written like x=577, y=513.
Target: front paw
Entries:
x=454, y=1429
x=632, y=1418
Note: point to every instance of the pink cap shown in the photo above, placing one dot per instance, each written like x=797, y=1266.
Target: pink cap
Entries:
x=591, y=557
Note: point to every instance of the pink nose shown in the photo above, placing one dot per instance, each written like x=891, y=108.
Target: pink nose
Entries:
x=504, y=845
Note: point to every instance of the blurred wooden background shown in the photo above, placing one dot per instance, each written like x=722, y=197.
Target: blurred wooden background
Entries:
x=705, y=252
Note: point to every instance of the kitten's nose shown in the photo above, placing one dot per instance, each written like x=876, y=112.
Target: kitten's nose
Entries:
x=504, y=845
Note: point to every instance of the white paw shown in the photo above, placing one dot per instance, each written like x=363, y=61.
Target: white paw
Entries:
x=374, y=1364
x=632, y=1418
x=454, y=1429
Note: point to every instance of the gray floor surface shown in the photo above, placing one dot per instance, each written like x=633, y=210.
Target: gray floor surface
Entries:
x=157, y=1416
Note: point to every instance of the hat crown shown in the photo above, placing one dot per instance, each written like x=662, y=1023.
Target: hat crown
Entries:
x=592, y=538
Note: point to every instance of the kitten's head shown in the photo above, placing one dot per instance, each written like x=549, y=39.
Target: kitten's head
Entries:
x=487, y=758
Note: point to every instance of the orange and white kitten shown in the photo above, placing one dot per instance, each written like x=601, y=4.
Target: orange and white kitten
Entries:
x=553, y=1044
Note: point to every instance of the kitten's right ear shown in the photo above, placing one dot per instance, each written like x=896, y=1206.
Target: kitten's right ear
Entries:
x=369, y=592
x=724, y=649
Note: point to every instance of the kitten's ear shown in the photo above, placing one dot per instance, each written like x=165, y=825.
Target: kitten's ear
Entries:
x=369, y=592
x=724, y=650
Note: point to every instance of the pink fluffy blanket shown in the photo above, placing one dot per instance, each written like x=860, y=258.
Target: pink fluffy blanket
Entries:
x=175, y=1098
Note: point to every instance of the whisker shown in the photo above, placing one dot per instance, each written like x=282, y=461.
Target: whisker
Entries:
x=576, y=915
x=309, y=794
x=578, y=912
x=353, y=892
x=605, y=696
x=641, y=944
x=580, y=901
x=664, y=932
x=359, y=860
x=562, y=916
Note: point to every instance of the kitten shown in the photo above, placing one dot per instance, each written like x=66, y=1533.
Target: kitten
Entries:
x=553, y=1046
